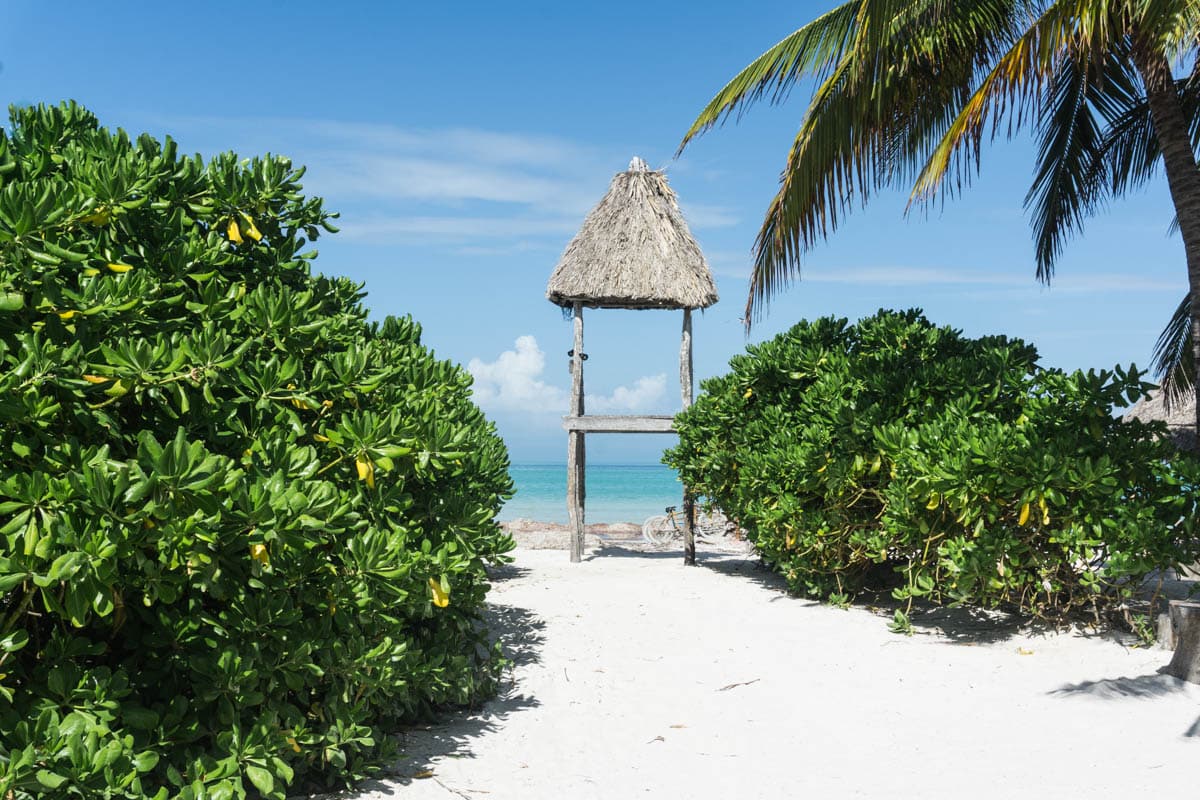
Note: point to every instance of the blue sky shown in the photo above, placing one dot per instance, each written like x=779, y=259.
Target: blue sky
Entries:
x=464, y=143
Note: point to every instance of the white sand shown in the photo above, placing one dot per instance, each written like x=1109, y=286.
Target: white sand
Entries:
x=639, y=677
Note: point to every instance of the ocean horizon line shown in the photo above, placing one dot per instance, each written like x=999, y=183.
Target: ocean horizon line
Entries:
x=563, y=464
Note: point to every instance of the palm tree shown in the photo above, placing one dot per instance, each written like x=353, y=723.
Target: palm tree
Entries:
x=907, y=90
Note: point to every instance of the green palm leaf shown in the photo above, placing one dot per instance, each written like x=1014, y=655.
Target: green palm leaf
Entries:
x=1174, y=360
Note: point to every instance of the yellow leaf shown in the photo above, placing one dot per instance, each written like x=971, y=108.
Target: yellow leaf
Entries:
x=749, y=392
x=90, y=272
x=251, y=231
x=319, y=438
x=425, y=773
x=259, y=553
x=1000, y=568
x=295, y=745
x=98, y=217
x=67, y=314
x=234, y=233
x=1022, y=651
x=366, y=470
x=789, y=541
x=1024, y=517
x=118, y=267
x=876, y=464
x=96, y=379
x=934, y=501
x=441, y=597
x=1045, y=511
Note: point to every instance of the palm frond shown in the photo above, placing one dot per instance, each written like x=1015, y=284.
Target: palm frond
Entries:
x=866, y=128
x=1014, y=83
x=810, y=51
x=1064, y=190
x=1174, y=360
x=1072, y=171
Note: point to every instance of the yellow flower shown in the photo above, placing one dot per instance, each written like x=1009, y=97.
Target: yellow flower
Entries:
x=366, y=470
x=441, y=597
x=259, y=553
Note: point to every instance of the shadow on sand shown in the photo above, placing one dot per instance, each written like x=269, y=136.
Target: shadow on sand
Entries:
x=520, y=633
x=1141, y=687
x=964, y=626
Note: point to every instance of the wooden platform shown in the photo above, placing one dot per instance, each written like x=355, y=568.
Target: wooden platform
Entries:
x=600, y=423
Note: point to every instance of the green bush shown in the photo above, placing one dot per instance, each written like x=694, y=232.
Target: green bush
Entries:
x=244, y=528
x=956, y=467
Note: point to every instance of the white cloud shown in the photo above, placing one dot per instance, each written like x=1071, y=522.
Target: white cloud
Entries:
x=514, y=382
x=700, y=215
x=643, y=396
x=456, y=228
x=943, y=276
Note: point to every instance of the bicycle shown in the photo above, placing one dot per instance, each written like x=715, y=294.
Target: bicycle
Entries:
x=660, y=529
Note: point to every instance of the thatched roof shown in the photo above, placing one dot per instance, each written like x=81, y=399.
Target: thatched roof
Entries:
x=1180, y=419
x=634, y=251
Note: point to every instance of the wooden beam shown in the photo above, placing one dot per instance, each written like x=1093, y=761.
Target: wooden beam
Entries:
x=685, y=391
x=576, y=445
x=685, y=360
x=577, y=363
x=602, y=423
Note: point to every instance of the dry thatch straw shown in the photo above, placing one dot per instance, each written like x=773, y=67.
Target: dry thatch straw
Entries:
x=1180, y=419
x=634, y=251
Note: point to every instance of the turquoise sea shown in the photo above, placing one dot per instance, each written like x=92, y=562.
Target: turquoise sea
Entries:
x=615, y=493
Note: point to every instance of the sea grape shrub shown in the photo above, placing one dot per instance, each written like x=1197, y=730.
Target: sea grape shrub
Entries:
x=244, y=529
x=956, y=466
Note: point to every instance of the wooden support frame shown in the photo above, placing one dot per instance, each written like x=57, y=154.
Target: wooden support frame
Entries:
x=578, y=425
x=685, y=390
x=576, y=444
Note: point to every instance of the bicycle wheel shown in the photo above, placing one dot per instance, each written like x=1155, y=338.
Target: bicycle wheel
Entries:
x=709, y=525
x=658, y=530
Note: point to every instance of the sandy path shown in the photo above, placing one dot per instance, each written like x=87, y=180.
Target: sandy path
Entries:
x=638, y=677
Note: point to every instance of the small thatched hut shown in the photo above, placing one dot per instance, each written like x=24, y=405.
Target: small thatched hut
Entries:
x=634, y=251
x=1180, y=418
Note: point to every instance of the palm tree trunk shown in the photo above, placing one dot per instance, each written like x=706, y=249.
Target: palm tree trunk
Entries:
x=1183, y=177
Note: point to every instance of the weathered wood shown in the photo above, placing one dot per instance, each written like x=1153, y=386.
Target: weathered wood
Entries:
x=577, y=363
x=1185, y=620
x=576, y=485
x=576, y=445
x=602, y=423
x=685, y=360
x=685, y=391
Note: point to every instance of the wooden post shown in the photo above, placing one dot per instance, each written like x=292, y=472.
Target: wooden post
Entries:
x=576, y=449
x=685, y=389
x=1185, y=619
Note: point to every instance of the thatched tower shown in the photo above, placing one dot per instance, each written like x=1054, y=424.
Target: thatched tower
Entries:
x=1180, y=418
x=633, y=251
